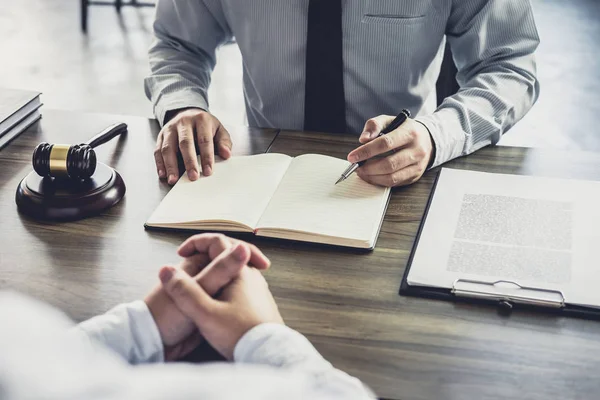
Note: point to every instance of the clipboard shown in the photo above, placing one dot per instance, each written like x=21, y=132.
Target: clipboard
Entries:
x=504, y=295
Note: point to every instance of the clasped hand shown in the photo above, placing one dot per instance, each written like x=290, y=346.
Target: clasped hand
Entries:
x=183, y=306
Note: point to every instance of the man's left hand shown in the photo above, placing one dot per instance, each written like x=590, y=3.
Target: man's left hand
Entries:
x=410, y=149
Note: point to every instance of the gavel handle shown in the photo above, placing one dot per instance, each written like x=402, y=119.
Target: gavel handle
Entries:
x=107, y=134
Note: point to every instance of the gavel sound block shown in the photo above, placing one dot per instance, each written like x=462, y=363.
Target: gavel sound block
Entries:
x=68, y=183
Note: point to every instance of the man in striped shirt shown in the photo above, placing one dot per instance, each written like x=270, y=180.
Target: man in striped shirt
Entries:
x=345, y=66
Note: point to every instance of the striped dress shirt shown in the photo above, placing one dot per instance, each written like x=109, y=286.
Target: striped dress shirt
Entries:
x=392, y=51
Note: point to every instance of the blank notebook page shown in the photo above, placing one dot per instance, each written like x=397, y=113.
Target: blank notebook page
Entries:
x=238, y=190
x=308, y=200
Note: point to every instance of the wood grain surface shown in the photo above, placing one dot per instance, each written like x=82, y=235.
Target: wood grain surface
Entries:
x=88, y=266
x=345, y=301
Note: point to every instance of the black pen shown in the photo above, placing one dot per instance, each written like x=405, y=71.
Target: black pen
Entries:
x=399, y=120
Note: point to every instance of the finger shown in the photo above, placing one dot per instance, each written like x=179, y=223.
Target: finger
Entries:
x=390, y=164
x=223, y=142
x=168, y=151
x=202, y=244
x=188, y=296
x=158, y=160
x=403, y=177
x=373, y=126
x=204, y=134
x=224, y=269
x=194, y=264
x=393, y=140
x=187, y=147
x=219, y=245
x=214, y=244
x=257, y=258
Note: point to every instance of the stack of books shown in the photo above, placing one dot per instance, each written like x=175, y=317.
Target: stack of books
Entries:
x=19, y=109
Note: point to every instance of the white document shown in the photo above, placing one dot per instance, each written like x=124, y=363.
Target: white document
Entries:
x=535, y=232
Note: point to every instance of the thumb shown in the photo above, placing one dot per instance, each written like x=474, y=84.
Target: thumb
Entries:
x=223, y=142
x=187, y=295
x=373, y=126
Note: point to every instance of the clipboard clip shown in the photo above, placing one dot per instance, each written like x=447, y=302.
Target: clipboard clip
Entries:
x=508, y=293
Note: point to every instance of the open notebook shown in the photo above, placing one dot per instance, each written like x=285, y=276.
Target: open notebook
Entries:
x=278, y=196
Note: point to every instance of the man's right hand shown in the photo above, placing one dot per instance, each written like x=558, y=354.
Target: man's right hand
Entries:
x=180, y=134
x=245, y=303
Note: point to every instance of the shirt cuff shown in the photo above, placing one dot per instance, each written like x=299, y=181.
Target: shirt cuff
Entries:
x=181, y=99
x=278, y=346
x=129, y=330
x=448, y=143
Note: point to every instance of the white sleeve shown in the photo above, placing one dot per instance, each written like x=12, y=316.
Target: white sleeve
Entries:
x=278, y=346
x=129, y=330
x=44, y=358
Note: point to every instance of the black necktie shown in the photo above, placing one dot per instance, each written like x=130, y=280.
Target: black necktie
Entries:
x=324, y=105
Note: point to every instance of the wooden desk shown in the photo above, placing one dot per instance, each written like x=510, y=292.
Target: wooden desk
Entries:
x=346, y=302
x=88, y=266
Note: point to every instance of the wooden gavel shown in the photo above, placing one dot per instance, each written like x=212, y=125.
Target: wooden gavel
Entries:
x=73, y=162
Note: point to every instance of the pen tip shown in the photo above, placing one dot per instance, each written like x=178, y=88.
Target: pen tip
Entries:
x=339, y=180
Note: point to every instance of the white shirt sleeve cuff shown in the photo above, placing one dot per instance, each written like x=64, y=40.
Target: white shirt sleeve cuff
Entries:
x=129, y=330
x=448, y=145
x=181, y=99
x=278, y=346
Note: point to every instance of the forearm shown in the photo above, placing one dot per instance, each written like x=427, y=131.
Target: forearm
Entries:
x=480, y=113
x=128, y=330
x=278, y=346
x=182, y=55
x=177, y=80
x=494, y=50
